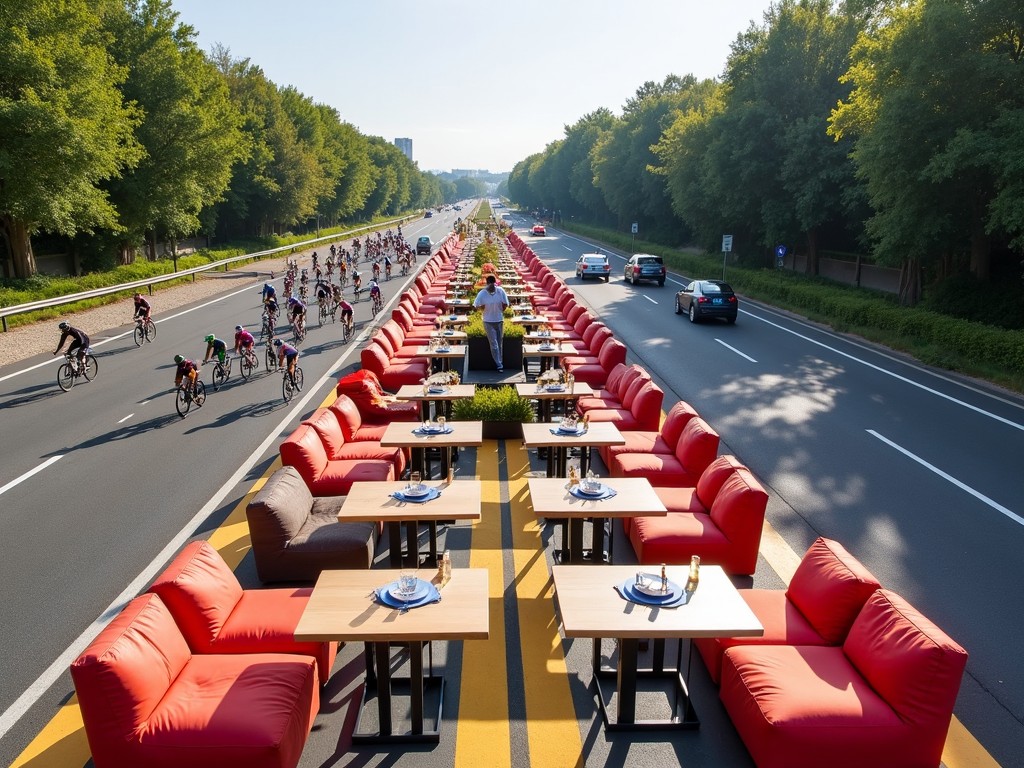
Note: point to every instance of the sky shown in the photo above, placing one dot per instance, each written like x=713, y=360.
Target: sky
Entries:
x=474, y=84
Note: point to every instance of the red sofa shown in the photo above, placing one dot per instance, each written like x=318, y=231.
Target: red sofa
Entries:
x=662, y=441
x=392, y=373
x=596, y=374
x=826, y=593
x=375, y=404
x=215, y=615
x=147, y=700
x=727, y=534
x=883, y=698
x=695, y=450
x=326, y=476
x=619, y=389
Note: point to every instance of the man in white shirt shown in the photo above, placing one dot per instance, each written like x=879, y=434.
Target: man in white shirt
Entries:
x=493, y=301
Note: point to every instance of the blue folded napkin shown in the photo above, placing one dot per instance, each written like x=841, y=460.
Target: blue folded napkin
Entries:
x=675, y=597
x=428, y=432
x=605, y=493
x=431, y=494
x=560, y=431
x=425, y=594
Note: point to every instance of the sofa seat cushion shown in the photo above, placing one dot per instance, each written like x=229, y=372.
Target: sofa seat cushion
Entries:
x=620, y=417
x=663, y=470
x=372, y=432
x=253, y=710
x=807, y=706
x=675, y=537
x=601, y=399
x=369, y=449
x=783, y=625
x=681, y=500
x=352, y=544
x=594, y=375
x=642, y=441
x=337, y=478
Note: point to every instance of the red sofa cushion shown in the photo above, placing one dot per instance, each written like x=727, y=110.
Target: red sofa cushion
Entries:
x=304, y=450
x=338, y=476
x=738, y=510
x=675, y=537
x=325, y=422
x=830, y=587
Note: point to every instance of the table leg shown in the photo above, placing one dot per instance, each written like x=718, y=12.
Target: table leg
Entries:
x=383, y=687
x=575, y=540
x=584, y=460
x=626, y=680
x=395, y=543
x=412, y=544
x=416, y=685
x=597, y=556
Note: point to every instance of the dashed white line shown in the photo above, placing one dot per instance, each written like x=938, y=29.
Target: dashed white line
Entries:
x=649, y=299
x=122, y=421
x=29, y=474
x=962, y=486
x=748, y=357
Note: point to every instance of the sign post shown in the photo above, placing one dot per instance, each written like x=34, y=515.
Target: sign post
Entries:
x=633, y=230
x=726, y=250
x=780, y=256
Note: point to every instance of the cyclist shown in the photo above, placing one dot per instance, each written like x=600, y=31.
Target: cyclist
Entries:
x=334, y=250
x=215, y=346
x=304, y=277
x=346, y=313
x=387, y=267
x=286, y=352
x=269, y=293
x=297, y=313
x=143, y=308
x=271, y=309
x=376, y=270
x=375, y=295
x=79, y=342
x=243, y=340
x=314, y=259
x=185, y=368
x=322, y=290
x=357, y=281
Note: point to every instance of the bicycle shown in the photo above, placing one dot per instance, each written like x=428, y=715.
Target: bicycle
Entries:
x=145, y=330
x=347, y=330
x=288, y=387
x=378, y=304
x=186, y=396
x=324, y=310
x=221, y=372
x=248, y=362
x=298, y=330
x=69, y=370
x=268, y=326
x=271, y=357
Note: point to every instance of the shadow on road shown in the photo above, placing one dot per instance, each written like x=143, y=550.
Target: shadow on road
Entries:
x=33, y=394
x=122, y=433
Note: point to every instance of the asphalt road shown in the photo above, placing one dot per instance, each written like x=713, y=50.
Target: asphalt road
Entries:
x=128, y=478
x=919, y=474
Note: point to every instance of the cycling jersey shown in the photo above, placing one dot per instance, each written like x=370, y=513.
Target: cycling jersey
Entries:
x=216, y=347
x=374, y=289
x=244, y=339
x=344, y=306
x=287, y=352
x=298, y=309
x=184, y=368
x=79, y=339
x=323, y=289
x=142, y=307
x=269, y=293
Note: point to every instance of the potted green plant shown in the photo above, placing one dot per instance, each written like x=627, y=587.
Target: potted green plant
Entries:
x=501, y=410
x=480, y=350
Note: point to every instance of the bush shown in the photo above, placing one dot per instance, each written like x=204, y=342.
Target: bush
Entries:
x=487, y=404
x=475, y=327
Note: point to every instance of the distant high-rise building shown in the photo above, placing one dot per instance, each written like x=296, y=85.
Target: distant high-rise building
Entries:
x=406, y=146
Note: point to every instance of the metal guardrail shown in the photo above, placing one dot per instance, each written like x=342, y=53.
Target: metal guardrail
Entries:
x=149, y=282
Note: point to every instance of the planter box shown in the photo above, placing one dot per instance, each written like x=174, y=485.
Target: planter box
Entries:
x=480, y=354
x=502, y=430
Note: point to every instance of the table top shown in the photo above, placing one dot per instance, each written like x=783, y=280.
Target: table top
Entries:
x=546, y=336
x=342, y=607
x=454, y=392
x=464, y=433
x=538, y=435
x=635, y=498
x=529, y=319
x=459, y=350
x=530, y=390
x=590, y=607
x=537, y=350
x=449, y=335
x=457, y=320
x=370, y=501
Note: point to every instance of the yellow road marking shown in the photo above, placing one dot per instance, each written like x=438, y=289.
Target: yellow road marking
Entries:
x=553, y=732
x=482, y=733
x=60, y=744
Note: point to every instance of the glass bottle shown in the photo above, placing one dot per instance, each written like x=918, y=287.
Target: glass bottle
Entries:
x=664, y=579
x=694, y=569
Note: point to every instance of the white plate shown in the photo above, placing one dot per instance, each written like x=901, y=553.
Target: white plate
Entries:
x=555, y=388
x=409, y=490
x=568, y=430
x=593, y=491
x=652, y=588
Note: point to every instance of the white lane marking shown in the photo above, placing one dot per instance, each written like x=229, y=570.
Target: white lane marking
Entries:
x=649, y=299
x=962, y=486
x=894, y=375
x=108, y=339
x=29, y=474
x=51, y=674
x=748, y=357
x=122, y=421
x=567, y=247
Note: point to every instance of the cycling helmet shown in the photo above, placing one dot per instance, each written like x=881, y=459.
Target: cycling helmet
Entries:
x=277, y=342
x=239, y=328
x=179, y=359
x=267, y=285
x=209, y=337
x=63, y=325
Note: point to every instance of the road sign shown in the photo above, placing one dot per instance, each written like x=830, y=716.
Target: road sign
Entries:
x=780, y=250
x=726, y=243
x=635, y=228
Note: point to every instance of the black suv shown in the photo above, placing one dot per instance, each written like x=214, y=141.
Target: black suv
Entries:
x=424, y=246
x=645, y=266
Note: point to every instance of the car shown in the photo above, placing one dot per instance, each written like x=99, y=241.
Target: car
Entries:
x=645, y=266
x=428, y=215
x=538, y=229
x=424, y=246
x=708, y=298
x=593, y=265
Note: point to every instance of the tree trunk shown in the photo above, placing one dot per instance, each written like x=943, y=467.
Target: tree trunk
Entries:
x=910, y=282
x=126, y=253
x=20, y=243
x=981, y=253
x=812, y=252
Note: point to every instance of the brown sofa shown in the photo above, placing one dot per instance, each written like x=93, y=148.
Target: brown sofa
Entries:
x=295, y=536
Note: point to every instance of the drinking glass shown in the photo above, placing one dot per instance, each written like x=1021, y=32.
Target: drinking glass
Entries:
x=407, y=584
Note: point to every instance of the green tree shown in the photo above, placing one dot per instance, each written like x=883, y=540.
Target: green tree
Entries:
x=64, y=124
x=189, y=130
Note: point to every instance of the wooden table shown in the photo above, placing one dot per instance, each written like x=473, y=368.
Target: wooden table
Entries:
x=590, y=607
x=545, y=397
x=464, y=434
x=529, y=321
x=549, y=357
x=538, y=337
x=552, y=501
x=440, y=400
x=370, y=501
x=446, y=356
x=342, y=608
x=454, y=304
x=539, y=436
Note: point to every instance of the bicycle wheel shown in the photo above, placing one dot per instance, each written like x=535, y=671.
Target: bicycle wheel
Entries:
x=199, y=396
x=271, y=360
x=346, y=332
x=65, y=377
x=220, y=375
x=182, y=401
x=323, y=314
x=91, y=368
x=150, y=331
x=298, y=379
x=139, y=335
x=286, y=387
x=246, y=366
